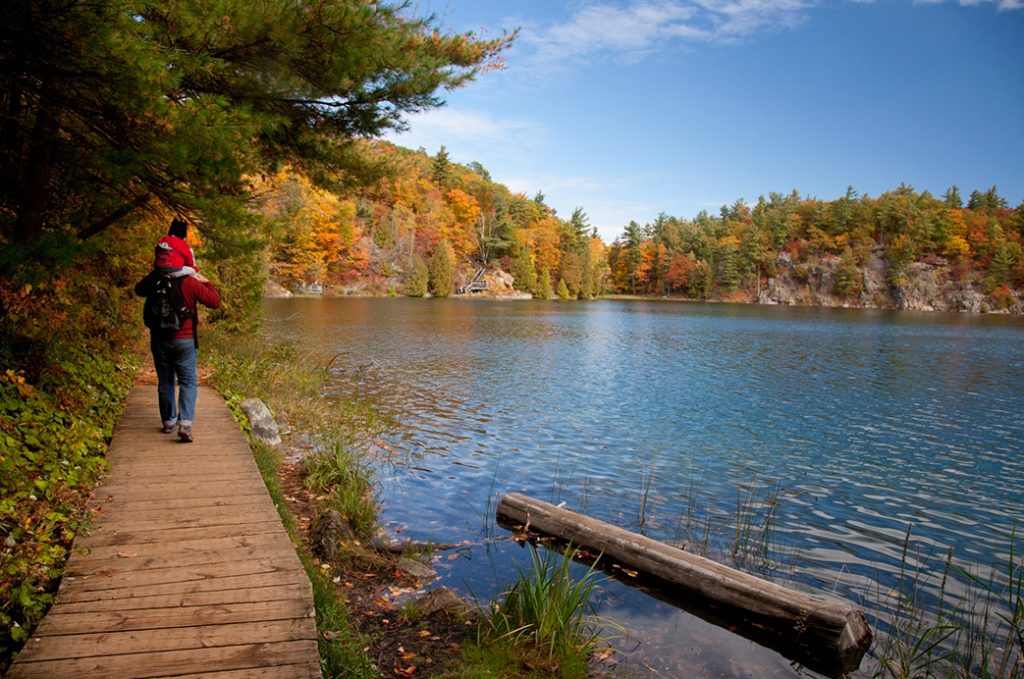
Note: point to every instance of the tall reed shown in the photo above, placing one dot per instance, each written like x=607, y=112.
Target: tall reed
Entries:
x=977, y=634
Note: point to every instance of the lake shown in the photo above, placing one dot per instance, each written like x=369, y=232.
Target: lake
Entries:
x=830, y=432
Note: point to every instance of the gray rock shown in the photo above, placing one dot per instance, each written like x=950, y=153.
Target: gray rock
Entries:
x=442, y=600
x=264, y=427
x=417, y=570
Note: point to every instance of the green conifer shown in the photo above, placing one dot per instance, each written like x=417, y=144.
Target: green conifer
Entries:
x=543, y=290
x=416, y=284
x=441, y=269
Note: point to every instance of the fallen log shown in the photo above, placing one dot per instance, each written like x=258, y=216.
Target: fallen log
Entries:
x=827, y=636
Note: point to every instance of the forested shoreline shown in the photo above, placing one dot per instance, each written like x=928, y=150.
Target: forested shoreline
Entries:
x=904, y=249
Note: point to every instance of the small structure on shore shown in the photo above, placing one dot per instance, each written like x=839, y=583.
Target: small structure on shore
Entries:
x=827, y=636
x=476, y=284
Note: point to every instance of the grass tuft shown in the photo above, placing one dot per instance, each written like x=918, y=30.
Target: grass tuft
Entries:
x=546, y=613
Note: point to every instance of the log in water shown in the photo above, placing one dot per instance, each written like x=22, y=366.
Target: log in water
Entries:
x=827, y=636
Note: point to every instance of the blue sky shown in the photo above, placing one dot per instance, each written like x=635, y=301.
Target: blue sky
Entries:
x=630, y=108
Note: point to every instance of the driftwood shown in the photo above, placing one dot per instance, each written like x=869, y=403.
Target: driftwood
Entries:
x=827, y=636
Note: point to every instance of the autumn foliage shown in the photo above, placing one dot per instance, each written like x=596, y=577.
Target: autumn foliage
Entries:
x=372, y=236
x=741, y=248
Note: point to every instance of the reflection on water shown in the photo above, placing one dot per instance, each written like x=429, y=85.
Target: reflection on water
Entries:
x=667, y=418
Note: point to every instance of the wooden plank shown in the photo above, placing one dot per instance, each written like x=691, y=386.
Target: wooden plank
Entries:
x=185, y=549
x=185, y=600
x=198, y=528
x=164, y=489
x=73, y=594
x=830, y=636
x=198, y=506
x=58, y=623
x=160, y=561
x=191, y=517
x=240, y=657
x=109, y=576
x=279, y=672
x=147, y=641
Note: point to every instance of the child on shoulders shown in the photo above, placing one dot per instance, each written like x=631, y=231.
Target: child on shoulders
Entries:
x=172, y=255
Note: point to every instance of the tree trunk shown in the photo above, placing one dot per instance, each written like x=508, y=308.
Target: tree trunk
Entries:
x=35, y=193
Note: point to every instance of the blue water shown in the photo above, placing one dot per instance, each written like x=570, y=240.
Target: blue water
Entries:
x=846, y=427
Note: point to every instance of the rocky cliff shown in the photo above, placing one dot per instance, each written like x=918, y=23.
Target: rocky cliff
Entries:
x=921, y=286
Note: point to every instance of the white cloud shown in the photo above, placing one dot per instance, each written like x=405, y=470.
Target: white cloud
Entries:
x=1001, y=5
x=642, y=26
x=471, y=134
x=636, y=28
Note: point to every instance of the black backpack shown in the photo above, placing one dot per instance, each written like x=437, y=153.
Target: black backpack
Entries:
x=165, y=308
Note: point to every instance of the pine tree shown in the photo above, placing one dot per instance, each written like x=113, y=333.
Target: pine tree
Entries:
x=543, y=290
x=442, y=168
x=115, y=110
x=441, y=269
x=849, y=280
x=523, y=272
x=416, y=285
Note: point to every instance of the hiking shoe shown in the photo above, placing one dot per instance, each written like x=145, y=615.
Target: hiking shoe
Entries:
x=185, y=434
x=169, y=428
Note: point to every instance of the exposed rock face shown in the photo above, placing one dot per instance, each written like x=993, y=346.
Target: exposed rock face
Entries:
x=275, y=289
x=921, y=286
x=264, y=426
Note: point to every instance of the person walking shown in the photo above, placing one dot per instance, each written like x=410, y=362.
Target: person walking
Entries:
x=175, y=345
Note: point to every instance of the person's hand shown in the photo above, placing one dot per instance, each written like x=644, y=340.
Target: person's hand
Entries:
x=201, y=278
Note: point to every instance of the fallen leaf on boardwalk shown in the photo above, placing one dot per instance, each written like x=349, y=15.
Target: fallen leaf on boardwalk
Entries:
x=405, y=672
x=126, y=555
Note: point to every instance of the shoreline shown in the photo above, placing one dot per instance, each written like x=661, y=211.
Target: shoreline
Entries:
x=332, y=293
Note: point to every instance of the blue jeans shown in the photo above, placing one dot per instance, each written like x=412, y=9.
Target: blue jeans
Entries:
x=175, y=360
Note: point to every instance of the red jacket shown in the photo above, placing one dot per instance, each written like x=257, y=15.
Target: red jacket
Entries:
x=193, y=293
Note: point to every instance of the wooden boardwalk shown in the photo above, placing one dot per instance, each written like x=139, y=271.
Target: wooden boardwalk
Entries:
x=187, y=571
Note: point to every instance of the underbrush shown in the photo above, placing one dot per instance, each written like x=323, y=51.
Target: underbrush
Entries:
x=65, y=369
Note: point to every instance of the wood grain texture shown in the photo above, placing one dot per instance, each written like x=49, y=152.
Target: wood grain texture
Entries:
x=186, y=571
